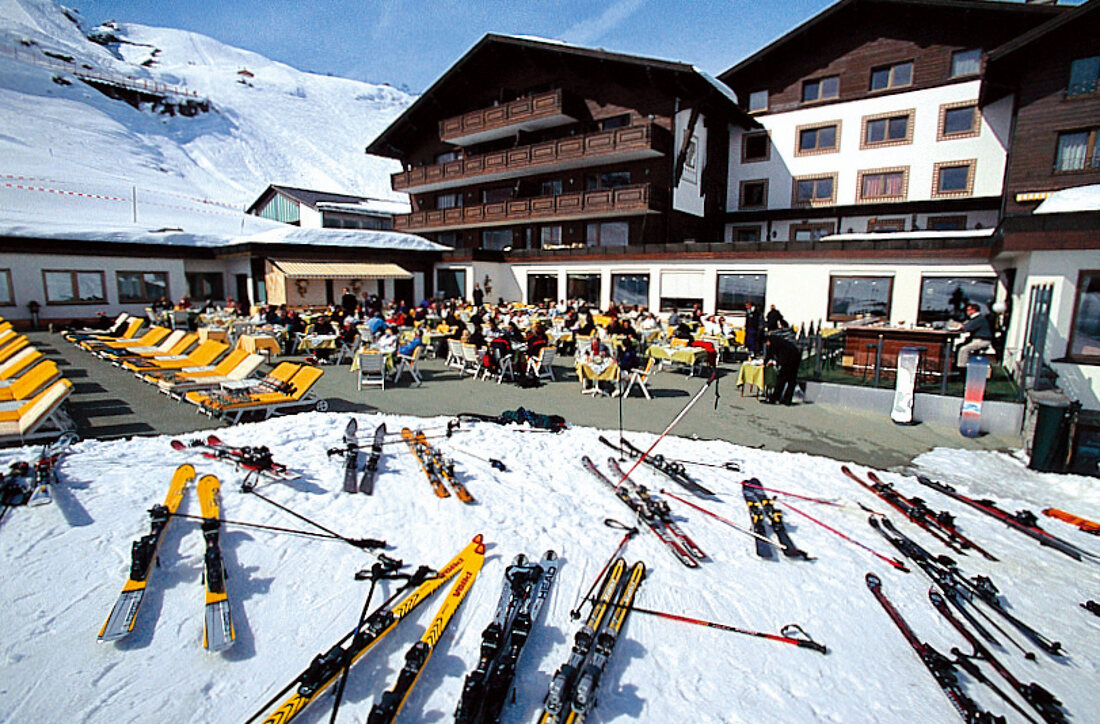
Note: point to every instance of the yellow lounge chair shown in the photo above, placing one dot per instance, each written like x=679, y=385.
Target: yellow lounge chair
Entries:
x=278, y=378
x=202, y=355
x=18, y=363
x=175, y=386
x=77, y=335
x=176, y=351
x=40, y=416
x=233, y=409
x=28, y=385
x=133, y=350
x=133, y=326
x=151, y=338
x=16, y=345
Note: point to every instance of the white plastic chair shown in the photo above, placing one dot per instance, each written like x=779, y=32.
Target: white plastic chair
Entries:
x=471, y=359
x=543, y=365
x=454, y=356
x=372, y=370
x=408, y=363
x=639, y=378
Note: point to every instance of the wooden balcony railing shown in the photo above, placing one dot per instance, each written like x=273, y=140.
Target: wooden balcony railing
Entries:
x=618, y=144
x=527, y=113
x=621, y=201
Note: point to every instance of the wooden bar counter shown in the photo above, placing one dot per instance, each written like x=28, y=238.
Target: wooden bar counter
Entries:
x=861, y=343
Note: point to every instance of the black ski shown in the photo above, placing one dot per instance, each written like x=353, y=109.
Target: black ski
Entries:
x=941, y=667
x=1023, y=520
x=673, y=469
x=350, y=451
x=45, y=469
x=660, y=509
x=14, y=490
x=366, y=483
x=958, y=589
x=761, y=508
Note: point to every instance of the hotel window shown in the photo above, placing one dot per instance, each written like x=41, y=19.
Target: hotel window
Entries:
x=755, y=147
x=608, y=233
x=496, y=239
x=958, y=120
x=141, y=286
x=851, y=297
x=450, y=283
x=630, y=289
x=583, y=286
x=542, y=287
x=814, y=190
x=744, y=233
x=74, y=287
x=758, y=101
x=953, y=178
x=883, y=184
x=448, y=156
x=1084, y=335
x=966, y=62
x=1083, y=76
x=551, y=187
x=447, y=238
x=448, y=201
x=550, y=236
x=887, y=129
x=895, y=224
x=754, y=194
x=736, y=289
x=497, y=195
x=609, y=180
x=205, y=285
x=1077, y=151
x=945, y=298
x=947, y=223
x=7, y=297
x=814, y=140
x=811, y=232
x=892, y=76
x=606, y=124
x=820, y=89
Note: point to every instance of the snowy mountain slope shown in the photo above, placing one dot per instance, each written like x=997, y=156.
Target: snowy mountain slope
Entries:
x=293, y=597
x=268, y=123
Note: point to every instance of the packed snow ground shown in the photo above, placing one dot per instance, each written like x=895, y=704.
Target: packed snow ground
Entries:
x=293, y=597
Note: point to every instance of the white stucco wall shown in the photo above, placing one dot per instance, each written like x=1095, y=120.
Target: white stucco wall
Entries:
x=688, y=195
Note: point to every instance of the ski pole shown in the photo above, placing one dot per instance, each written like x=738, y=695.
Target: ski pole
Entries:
x=630, y=533
x=782, y=637
x=492, y=461
x=892, y=561
x=807, y=498
x=315, y=524
x=359, y=543
x=675, y=420
x=728, y=522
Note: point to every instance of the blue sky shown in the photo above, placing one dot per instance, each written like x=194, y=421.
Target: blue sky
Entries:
x=411, y=42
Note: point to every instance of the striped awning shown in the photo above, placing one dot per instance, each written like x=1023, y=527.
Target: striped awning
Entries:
x=339, y=270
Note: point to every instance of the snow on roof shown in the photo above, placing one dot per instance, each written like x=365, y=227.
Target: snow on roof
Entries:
x=368, y=206
x=359, y=238
x=1078, y=198
x=886, y=235
x=718, y=85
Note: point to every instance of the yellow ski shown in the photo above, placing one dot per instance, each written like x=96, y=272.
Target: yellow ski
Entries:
x=217, y=632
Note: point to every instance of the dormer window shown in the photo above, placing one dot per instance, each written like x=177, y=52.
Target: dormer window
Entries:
x=892, y=76
x=966, y=62
x=820, y=89
x=758, y=101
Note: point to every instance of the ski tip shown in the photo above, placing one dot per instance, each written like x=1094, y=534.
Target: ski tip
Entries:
x=479, y=544
x=213, y=440
x=873, y=581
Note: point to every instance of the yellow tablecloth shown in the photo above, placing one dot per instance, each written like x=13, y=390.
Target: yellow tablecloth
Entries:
x=592, y=373
x=759, y=377
x=317, y=341
x=681, y=355
x=559, y=336
x=261, y=344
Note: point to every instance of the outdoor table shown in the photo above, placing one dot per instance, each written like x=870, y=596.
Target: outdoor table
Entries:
x=210, y=333
x=312, y=342
x=759, y=376
x=556, y=336
x=599, y=370
x=258, y=344
x=690, y=356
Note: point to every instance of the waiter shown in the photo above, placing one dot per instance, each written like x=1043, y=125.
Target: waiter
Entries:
x=787, y=357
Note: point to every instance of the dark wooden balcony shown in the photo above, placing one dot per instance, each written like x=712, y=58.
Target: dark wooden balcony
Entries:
x=529, y=113
x=601, y=203
x=617, y=145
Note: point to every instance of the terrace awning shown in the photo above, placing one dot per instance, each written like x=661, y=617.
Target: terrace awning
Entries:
x=339, y=270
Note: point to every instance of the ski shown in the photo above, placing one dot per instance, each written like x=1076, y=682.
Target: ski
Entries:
x=652, y=522
x=217, y=632
x=391, y=701
x=526, y=587
x=1083, y=524
x=761, y=508
x=660, y=509
x=940, y=525
x=427, y=463
x=143, y=556
x=255, y=459
x=1044, y=703
x=45, y=469
x=325, y=668
x=445, y=468
x=14, y=490
x=366, y=483
x=958, y=589
x=941, y=668
x=673, y=469
x=562, y=684
x=350, y=451
x=1023, y=521
x=584, y=694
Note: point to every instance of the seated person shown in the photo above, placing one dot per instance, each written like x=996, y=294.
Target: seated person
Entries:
x=979, y=334
x=684, y=332
x=628, y=356
x=376, y=324
x=409, y=347
x=536, y=340
x=387, y=341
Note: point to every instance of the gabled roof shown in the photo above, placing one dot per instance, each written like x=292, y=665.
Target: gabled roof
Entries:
x=426, y=111
x=842, y=6
x=1021, y=42
x=312, y=198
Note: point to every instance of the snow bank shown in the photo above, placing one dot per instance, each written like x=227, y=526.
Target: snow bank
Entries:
x=293, y=597
x=1079, y=198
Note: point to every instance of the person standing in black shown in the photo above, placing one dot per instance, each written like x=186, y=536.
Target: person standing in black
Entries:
x=479, y=296
x=348, y=302
x=787, y=357
x=773, y=319
x=753, y=326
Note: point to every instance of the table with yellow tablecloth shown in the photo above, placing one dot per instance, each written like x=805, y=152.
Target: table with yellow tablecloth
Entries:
x=390, y=365
x=593, y=371
x=689, y=356
x=760, y=377
x=208, y=333
x=311, y=342
x=259, y=344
